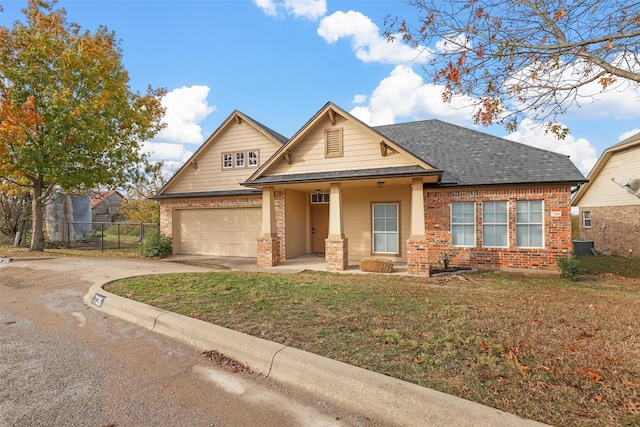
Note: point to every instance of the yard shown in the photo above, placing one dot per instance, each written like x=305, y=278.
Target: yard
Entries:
x=542, y=347
x=545, y=348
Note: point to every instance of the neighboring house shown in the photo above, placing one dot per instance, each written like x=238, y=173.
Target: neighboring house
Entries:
x=67, y=217
x=105, y=206
x=609, y=204
x=414, y=192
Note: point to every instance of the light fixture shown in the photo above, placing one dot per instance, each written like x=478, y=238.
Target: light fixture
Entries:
x=317, y=191
x=380, y=184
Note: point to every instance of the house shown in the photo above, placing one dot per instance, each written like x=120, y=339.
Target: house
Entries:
x=414, y=193
x=105, y=206
x=609, y=204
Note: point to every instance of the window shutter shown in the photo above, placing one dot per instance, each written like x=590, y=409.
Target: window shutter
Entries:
x=333, y=143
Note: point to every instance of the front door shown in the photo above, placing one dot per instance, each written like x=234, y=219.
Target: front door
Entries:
x=319, y=226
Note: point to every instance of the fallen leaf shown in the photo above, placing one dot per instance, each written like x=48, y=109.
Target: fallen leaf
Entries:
x=571, y=347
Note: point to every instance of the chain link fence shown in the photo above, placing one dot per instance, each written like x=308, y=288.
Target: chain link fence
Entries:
x=104, y=236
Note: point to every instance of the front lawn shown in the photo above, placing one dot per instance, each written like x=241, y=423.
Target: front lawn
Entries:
x=557, y=351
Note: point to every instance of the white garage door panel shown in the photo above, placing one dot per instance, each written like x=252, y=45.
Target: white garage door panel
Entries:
x=220, y=232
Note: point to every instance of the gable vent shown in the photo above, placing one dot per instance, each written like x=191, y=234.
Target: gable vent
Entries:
x=333, y=143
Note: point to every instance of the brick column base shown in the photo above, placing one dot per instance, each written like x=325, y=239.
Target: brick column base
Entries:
x=336, y=254
x=418, y=257
x=268, y=251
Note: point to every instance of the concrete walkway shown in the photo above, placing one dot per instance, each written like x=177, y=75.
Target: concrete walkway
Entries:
x=379, y=397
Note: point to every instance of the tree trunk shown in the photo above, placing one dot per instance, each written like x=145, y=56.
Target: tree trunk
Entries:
x=37, y=216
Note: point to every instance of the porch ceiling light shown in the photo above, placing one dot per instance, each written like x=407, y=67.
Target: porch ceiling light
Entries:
x=380, y=184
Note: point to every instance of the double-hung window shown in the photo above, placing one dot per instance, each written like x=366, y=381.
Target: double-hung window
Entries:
x=495, y=224
x=529, y=224
x=463, y=224
x=240, y=160
x=385, y=228
x=586, y=219
x=227, y=161
x=252, y=158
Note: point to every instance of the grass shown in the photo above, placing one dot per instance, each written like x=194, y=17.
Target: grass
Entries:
x=554, y=350
x=558, y=351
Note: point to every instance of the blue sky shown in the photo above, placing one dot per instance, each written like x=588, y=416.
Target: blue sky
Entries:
x=280, y=61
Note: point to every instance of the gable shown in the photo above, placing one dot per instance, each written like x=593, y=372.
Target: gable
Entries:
x=239, y=140
x=620, y=162
x=606, y=189
x=338, y=143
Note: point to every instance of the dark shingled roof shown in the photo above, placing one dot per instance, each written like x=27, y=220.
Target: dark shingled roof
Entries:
x=278, y=137
x=469, y=157
x=220, y=193
x=350, y=174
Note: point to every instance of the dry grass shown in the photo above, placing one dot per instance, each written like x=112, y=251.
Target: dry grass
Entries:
x=561, y=352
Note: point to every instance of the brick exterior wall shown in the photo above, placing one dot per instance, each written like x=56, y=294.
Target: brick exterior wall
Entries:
x=280, y=202
x=167, y=206
x=336, y=254
x=557, y=228
x=622, y=231
x=418, y=257
x=268, y=252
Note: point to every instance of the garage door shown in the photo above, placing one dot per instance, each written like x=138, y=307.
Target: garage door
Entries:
x=220, y=232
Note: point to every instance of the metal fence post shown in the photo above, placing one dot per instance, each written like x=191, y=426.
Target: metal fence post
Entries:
x=102, y=237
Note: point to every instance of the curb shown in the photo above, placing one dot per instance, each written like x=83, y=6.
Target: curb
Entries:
x=380, y=397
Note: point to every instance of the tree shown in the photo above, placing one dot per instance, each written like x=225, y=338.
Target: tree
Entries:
x=525, y=57
x=68, y=118
x=14, y=210
x=138, y=206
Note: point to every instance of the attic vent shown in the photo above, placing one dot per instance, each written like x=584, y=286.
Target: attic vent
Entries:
x=333, y=143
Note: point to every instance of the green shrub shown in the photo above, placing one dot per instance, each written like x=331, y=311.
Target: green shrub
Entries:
x=156, y=245
x=569, y=267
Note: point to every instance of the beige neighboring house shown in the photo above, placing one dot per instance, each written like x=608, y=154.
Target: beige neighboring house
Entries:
x=414, y=193
x=609, y=204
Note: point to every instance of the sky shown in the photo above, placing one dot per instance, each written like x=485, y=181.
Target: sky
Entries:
x=280, y=61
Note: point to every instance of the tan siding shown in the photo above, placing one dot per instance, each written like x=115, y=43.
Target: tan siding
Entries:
x=209, y=175
x=296, y=217
x=360, y=151
x=357, y=218
x=604, y=192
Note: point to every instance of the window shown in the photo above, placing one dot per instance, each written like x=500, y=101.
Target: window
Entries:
x=385, y=228
x=240, y=160
x=495, y=224
x=319, y=198
x=529, y=224
x=333, y=143
x=586, y=219
x=463, y=224
x=227, y=161
x=252, y=158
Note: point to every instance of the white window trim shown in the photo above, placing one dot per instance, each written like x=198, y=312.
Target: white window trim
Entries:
x=242, y=158
x=463, y=223
x=373, y=232
x=506, y=224
x=542, y=224
x=256, y=159
x=585, y=219
x=224, y=166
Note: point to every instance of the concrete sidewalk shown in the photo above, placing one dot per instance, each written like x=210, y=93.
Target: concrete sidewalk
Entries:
x=379, y=397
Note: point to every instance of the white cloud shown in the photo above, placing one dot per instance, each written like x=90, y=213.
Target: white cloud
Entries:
x=628, y=134
x=359, y=99
x=404, y=93
x=164, y=151
x=311, y=9
x=366, y=41
x=185, y=108
x=579, y=150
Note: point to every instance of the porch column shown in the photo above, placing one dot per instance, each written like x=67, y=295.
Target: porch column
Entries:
x=417, y=245
x=268, y=242
x=336, y=245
